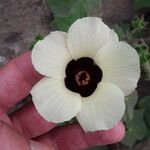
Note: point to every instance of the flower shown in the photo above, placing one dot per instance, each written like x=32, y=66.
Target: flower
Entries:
x=88, y=72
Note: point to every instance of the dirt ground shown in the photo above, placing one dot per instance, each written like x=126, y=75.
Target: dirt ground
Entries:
x=20, y=20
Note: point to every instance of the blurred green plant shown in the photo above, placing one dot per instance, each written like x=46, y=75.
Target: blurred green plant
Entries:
x=98, y=148
x=138, y=23
x=68, y=11
x=129, y=31
x=143, y=51
x=60, y=8
x=37, y=37
x=137, y=121
x=141, y=3
x=77, y=11
x=130, y=102
x=136, y=128
x=132, y=34
x=144, y=103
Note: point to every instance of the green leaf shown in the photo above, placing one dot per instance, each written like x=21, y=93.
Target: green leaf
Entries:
x=141, y=3
x=137, y=125
x=93, y=7
x=136, y=129
x=144, y=103
x=138, y=23
x=63, y=23
x=68, y=11
x=78, y=11
x=129, y=139
x=147, y=117
x=148, y=57
x=37, y=37
x=60, y=7
x=122, y=30
x=119, y=30
x=130, y=102
x=143, y=51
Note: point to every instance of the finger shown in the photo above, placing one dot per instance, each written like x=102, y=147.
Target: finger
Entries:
x=16, y=80
x=28, y=121
x=72, y=137
x=10, y=139
x=4, y=117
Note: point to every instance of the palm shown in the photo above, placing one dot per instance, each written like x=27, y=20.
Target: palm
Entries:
x=17, y=129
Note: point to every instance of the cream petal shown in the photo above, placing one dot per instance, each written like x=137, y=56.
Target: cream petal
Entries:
x=120, y=65
x=87, y=35
x=54, y=101
x=50, y=56
x=103, y=109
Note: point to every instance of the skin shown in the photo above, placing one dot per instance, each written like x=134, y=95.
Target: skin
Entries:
x=25, y=129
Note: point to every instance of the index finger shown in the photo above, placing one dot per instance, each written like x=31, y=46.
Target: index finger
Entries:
x=72, y=137
x=16, y=80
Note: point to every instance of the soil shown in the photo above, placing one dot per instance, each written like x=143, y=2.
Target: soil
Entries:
x=20, y=21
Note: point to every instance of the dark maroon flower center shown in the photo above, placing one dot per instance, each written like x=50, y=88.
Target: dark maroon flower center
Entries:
x=82, y=76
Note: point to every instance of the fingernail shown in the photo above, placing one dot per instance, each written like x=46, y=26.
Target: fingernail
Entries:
x=39, y=146
x=33, y=145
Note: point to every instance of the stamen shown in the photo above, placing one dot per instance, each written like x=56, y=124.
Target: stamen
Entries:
x=82, y=78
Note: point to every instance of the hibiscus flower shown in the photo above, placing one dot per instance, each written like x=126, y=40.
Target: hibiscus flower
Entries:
x=87, y=73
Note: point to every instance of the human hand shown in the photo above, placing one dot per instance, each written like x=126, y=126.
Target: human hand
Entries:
x=25, y=129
